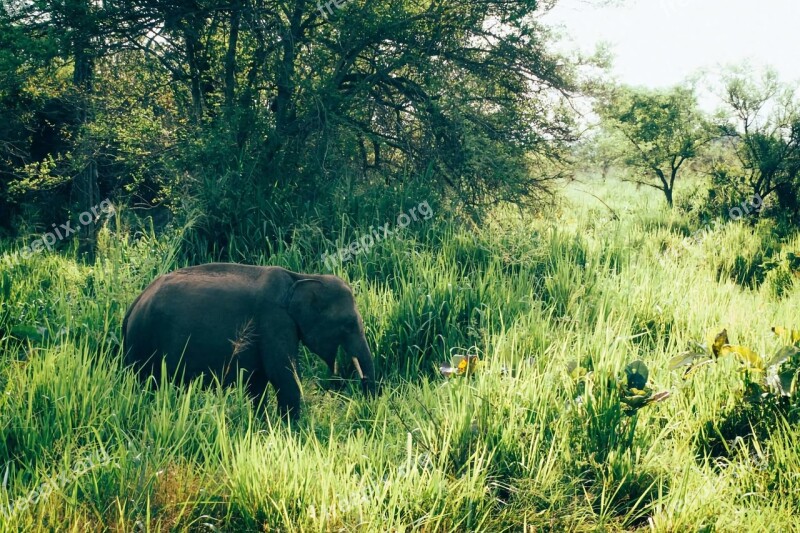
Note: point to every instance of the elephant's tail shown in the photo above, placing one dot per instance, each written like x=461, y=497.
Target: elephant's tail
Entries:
x=128, y=316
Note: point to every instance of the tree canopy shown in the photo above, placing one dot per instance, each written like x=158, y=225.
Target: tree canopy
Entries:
x=663, y=130
x=761, y=125
x=247, y=103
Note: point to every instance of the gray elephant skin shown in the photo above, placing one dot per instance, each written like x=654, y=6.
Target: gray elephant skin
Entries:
x=223, y=318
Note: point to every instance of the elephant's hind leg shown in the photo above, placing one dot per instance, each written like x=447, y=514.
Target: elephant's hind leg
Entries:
x=285, y=383
x=256, y=387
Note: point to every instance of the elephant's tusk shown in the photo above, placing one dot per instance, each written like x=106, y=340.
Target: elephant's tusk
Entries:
x=358, y=368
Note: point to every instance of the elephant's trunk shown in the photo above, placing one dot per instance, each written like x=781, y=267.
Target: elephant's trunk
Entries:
x=358, y=349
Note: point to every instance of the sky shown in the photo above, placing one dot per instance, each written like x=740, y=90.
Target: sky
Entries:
x=659, y=43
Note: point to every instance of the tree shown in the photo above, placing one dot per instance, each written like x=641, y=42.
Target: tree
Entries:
x=279, y=101
x=601, y=149
x=663, y=130
x=76, y=34
x=762, y=126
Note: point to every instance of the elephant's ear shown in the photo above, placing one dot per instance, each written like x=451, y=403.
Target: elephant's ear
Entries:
x=303, y=293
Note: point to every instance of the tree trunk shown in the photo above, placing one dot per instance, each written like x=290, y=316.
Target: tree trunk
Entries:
x=666, y=186
x=193, y=61
x=285, y=112
x=230, y=57
x=84, y=187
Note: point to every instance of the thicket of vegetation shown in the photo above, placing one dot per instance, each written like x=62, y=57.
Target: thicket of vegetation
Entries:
x=256, y=114
x=257, y=111
x=620, y=354
x=537, y=436
x=750, y=148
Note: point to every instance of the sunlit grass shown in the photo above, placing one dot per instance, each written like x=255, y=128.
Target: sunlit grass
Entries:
x=519, y=444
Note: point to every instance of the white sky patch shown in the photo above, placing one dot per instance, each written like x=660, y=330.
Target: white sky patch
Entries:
x=659, y=43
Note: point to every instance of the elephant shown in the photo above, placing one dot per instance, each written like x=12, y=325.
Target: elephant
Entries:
x=222, y=318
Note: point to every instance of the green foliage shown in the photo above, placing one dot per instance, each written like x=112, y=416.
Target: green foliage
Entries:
x=742, y=253
x=662, y=131
x=214, y=117
x=769, y=390
x=762, y=128
x=782, y=273
x=603, y=150
x=635, y=390
x=518, y=444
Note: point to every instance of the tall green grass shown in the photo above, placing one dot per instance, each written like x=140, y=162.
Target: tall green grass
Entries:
x=518, y=446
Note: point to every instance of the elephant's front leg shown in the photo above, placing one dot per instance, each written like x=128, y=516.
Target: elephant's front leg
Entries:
x=278, y=350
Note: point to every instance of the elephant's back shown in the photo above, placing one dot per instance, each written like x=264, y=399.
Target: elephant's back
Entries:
x=196, y=296
x=231, y=279
x=231, y=272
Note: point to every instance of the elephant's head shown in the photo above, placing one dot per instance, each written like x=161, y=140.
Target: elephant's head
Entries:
x=325, y=312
